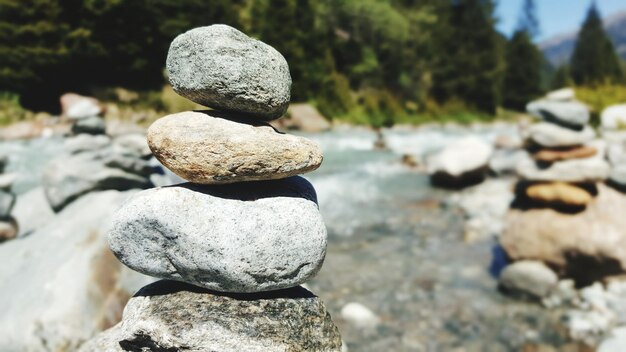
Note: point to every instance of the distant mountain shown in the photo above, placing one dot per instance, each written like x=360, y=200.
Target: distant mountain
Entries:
x=558, y=49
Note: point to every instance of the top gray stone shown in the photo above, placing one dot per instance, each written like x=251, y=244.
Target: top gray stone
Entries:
x=222, y=68
x=568, y=113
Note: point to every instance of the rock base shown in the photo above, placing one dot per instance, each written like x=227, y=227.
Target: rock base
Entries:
x=173, y=316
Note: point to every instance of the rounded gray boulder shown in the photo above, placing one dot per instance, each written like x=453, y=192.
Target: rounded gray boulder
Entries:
x=220, y=67
x=247, y=237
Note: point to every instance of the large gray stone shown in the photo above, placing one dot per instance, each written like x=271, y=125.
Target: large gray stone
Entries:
x=550, y=135
x=62, y=285
x=221, y=67
x=70, y=176
x=210, y=148
x=248, y=237
x=568, y=113
x=172, y=316
x=528, y=277
x=32, y=211
x=7, y=200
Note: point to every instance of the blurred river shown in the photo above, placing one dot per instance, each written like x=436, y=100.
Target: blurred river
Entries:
x=395, y=245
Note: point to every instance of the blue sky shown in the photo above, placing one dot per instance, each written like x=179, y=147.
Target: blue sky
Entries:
x=555, y=16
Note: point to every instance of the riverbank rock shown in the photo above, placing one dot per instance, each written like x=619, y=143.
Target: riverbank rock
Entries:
x=574, y=170
x=32, y=211
x=174, y=316
x=246, y=237
x=303, y=117
x=359, y=315
x=527, y=277
x=75, y=106
x=63, y=283
x=614, y=117
x=461, y=163
x=567, y=113
x=90, y=125
x=7, y=181
x=212, y=148
x=553, y=155
x=585, y=246
x=559, y=193
x=220, y=67
x=67, y=178
x=553, y=136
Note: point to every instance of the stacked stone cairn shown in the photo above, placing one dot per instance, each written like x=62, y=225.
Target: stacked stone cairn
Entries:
x=234, y=244
x=564, y=221
x=8, y=225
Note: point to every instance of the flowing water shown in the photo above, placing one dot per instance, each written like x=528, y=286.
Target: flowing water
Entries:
x=395, y=246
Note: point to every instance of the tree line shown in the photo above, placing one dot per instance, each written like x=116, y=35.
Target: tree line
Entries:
x=376, y=58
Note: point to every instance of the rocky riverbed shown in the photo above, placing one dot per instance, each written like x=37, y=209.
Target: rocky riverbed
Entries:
x=401, y=273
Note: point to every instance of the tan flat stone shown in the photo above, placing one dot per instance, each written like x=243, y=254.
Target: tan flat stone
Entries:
x=206, y=148
x=552, y=155
x=558, y=193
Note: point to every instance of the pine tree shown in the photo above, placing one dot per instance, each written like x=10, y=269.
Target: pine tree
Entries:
x=469, y=62
x=594, y=60
x=522, y=78
x=561, y=78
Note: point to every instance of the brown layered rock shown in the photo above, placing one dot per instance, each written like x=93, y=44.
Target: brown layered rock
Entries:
x=559, y=193
x=216, y=148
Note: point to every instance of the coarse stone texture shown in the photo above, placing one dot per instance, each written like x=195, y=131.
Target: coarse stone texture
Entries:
x=586, y=245
x=552, y=155
x=174, y=316
x=558, y=193
x=573, y=170
x=550, y=135
x=528, y=277
x=212, y=148
x=220, y=67
x=94, y=125
x=248, y=237
x=567, y=113
x=63, y=284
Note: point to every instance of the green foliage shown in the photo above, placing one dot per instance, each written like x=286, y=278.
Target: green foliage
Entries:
x=522, y=78
x=599, y=97
x=561, y=78
x=594, y=60
x=10, y=108
x=470, y=63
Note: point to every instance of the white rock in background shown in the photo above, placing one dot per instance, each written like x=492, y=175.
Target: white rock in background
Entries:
x=575, y=170
x=463, y=155
x=569, y=113
x=563, y=94
x=359, y=315
x=76, y=106
x=529, y=277
x=62, y=283
x=32, y=211
x=614, y=117
x=616, y=342
x=550, y=135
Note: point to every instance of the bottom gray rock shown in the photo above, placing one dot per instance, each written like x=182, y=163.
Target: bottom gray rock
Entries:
x=174, y=316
